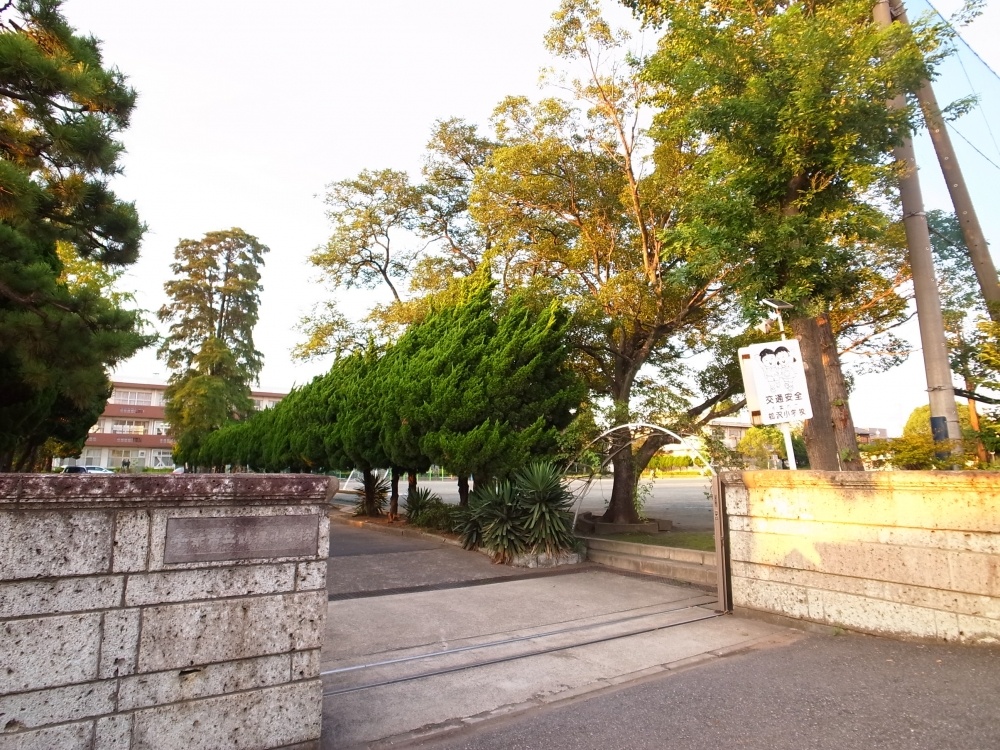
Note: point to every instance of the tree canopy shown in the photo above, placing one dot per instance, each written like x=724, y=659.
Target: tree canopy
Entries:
x=479, y=387
x=61, y=110
x=212, y=312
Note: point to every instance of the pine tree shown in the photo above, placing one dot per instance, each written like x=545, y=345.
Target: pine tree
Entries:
x=209, y=346
x=61, y=110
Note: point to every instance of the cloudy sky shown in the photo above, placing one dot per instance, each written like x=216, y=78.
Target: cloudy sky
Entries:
x=247, y=110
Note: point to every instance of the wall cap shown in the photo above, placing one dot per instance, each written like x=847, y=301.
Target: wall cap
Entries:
x=42, y=491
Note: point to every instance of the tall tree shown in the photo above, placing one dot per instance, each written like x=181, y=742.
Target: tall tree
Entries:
x=965, y=314
x=580, y=212
x=61, y=110
x=209, y=344
x=788, y=100
x=412, y=241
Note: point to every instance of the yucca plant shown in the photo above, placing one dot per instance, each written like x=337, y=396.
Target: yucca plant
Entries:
x=416, y=503
x=469, y=521
x=502, y=520
x=382, y=489
x=547, y=506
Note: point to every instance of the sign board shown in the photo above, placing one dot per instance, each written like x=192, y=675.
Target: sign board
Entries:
x=775, y=382
x=211, y=539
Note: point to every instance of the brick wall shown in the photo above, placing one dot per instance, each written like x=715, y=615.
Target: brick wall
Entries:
x=908, y=554
x=120, y=627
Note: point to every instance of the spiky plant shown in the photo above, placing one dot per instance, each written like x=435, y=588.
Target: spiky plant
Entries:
x=547, y=506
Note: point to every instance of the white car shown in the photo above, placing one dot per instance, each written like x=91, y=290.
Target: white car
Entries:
x=86, y=470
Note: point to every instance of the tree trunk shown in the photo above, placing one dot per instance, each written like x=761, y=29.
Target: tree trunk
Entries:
x=836, y=387
x=974, y=424
x=463, y=490
x=621, y=509
x=394, y=495
x=370, y=507
x=821, y=443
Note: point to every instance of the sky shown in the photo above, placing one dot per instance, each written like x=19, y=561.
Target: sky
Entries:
x=247, y=111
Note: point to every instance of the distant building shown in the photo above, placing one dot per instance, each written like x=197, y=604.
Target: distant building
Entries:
x=133, y=427
x=871, y=434
x=731, y=430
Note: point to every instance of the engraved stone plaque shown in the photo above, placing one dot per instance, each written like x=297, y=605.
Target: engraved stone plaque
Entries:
x=240, y=538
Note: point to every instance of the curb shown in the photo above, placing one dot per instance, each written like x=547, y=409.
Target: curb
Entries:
x=335, y=517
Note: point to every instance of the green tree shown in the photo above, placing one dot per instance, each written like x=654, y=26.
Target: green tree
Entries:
x=788, y=101
x=916, y=449
x=206, y=397
x=477, y=387
x=389, y=232
x=62, y=110
x=966, y=323
x=579, y=213
x=761, y=443
x=209, y=345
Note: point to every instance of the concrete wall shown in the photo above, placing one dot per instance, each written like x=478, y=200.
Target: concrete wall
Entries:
x=177, y=611
x=909, y=554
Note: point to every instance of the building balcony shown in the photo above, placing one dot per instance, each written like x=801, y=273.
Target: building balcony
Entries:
x=114, y=440
x=132, y=411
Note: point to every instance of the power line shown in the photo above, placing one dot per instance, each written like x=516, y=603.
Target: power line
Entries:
x=975, y=148
x=962, y=39
x=979, y=104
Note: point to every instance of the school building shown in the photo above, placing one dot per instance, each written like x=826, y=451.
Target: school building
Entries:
x=133, y=427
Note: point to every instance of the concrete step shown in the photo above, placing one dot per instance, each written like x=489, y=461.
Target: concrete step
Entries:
x=693, y=556
x=702, y=575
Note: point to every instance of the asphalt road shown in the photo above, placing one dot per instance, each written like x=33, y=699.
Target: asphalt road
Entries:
x=822, y=692
x=685, y=501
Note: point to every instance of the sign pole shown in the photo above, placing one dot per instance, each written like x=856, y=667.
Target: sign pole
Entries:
x=786, y=428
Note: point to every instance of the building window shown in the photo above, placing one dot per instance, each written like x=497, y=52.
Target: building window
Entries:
x=161, y=459
x=92, y=457
x=137, y=459
x=132, y=398
x=129, y=427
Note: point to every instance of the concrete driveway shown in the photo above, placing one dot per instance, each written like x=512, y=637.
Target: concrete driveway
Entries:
x=424, y=638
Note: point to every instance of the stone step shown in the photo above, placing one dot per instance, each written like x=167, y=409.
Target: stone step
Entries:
x=693, y=556
x=702, y=575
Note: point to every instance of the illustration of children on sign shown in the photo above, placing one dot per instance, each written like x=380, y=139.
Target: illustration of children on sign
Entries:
x=769, y=363
x=778, y=369
x=784, y=360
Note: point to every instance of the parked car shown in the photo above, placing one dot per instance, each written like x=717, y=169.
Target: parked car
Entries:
x=98, y=470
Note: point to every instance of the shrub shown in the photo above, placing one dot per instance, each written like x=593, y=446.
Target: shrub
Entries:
x=438, y=515
x=382, y=489
x=424, y=508
x=416, y=502
x=547, y=503
x=503, y=524
x=529, y=513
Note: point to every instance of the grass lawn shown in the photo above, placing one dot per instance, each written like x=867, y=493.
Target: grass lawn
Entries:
x=700, y=540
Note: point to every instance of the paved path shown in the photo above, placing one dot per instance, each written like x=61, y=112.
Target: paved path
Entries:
x=820, y=692
x=425, y=637
x=594, y=660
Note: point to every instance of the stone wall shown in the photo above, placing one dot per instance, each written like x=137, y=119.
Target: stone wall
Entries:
x=162, y=611
x=907, y=554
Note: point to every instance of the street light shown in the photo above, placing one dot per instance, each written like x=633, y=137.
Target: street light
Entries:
x=778, y=305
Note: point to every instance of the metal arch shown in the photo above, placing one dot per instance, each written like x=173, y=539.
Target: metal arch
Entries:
x=630, y=426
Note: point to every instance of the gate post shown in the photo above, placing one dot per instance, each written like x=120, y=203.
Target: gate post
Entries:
x=722, y=560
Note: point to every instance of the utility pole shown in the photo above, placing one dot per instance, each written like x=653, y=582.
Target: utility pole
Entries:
x=972, y=232
x=944, y=413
